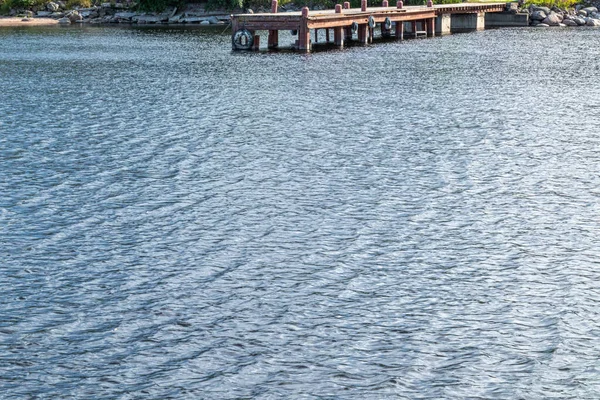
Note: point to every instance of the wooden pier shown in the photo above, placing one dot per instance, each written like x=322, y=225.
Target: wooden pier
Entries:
x=349, y=23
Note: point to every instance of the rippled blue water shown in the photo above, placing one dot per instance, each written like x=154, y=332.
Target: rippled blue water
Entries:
x=412, y=220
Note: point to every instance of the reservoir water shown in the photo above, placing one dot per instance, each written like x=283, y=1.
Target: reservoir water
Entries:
x=415, y=220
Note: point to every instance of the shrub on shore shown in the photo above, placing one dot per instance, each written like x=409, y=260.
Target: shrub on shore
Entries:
x=562, y=4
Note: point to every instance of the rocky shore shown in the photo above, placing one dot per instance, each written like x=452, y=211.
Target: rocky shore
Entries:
x=581, y=15
x=114, y=13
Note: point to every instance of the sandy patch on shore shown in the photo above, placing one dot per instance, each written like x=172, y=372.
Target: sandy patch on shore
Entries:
x=31, y=21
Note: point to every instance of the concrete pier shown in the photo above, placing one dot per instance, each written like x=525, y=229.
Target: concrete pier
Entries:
x=467, y=22
x=506, y=19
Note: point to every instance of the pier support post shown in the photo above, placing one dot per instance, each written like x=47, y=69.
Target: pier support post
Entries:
x=256, y=43
x=399, y=30
x=347, y=31
x=363, y=5
x=442, y=24
x=304, y=32
x=273, y=41
x=431, y=27
x=413, y=26
x=327, y=35
x=362, y=33
x=338, y=37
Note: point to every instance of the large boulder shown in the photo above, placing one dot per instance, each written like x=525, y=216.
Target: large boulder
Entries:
x=74, y=16
x=593, y=22
x=538, y=15
x=538, y=8
x=569, y=22
x=590, y=10
x=64, y=21
x=52, y=7
x=579, y=21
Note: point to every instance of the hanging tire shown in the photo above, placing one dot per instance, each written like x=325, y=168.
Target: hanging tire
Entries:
x=354, y=27
x=387, y=24
x=371, y=22
x=242, y=40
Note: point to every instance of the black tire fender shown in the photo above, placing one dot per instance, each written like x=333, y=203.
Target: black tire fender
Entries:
x=242, y=40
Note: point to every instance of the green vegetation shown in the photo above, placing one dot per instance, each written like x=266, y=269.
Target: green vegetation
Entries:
x=78, y=3
x=562, y=4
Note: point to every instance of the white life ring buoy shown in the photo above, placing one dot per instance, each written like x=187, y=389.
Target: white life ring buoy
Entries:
x=387, y=24
x=371, y=22
x=242, y=40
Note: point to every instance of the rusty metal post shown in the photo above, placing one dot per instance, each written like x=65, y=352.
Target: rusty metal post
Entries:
x=304, y=32
x=338, y=38
x=273, y=40
x=363, y=5
x=385, y=3
x=399, y=4
x=429, y=3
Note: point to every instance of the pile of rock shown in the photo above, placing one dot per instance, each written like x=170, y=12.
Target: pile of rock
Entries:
x=111, y=13
x=580, y=16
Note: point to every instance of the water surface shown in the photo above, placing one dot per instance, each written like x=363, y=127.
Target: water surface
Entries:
x=411, y=220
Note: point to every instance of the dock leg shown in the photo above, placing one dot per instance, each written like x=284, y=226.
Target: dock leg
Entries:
x=400, y=30
x=316, y=36
x=431, y=30
x=371, y=35
x=338, y=31
x=347, y=31
x=256, y=44
x=327, y=35
x=304, y=32
x=362, y=33
x=414, y=28
x=273, y=40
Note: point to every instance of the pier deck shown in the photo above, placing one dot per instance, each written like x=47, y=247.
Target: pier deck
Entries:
x=346, y=21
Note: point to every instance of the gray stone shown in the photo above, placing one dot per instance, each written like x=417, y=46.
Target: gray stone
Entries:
x=593, y=22
x=213, y=20
x=61, y=5
x=552, y=20
x=579, y=21
x=147, y=19
x=74, y=16
x=205, y=22
x=590, y=10
x=105, y=5
x=569, y=22
x=176, y=19
x=192, y=20
x=542, y=25
x=57, y=15
x=43, y=13
x=52, y=7
x=125, y=16
x=546, y=10
x=64, y=21
x=539, y=15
